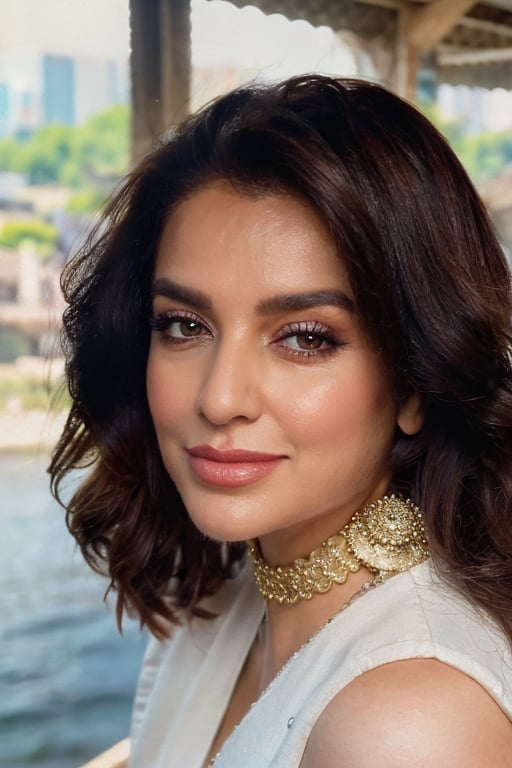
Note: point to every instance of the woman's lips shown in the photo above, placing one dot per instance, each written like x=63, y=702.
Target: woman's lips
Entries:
x=231, y=468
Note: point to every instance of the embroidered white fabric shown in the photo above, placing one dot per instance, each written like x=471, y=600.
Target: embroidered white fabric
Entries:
x=186, y=683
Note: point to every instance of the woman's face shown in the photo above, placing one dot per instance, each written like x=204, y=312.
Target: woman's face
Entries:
x=274, y=415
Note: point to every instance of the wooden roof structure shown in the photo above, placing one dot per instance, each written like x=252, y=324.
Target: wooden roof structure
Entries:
x=460, y=41
x=464, y=41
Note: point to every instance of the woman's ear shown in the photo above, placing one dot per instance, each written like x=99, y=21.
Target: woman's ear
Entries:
x=410, y=414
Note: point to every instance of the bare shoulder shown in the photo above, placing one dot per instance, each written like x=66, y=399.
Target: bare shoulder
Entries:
x=417, y=712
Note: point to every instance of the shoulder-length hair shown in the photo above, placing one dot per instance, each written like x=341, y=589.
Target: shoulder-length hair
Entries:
x=431, y=286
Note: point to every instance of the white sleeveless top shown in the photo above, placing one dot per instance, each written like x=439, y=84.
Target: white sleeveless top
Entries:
x=186, y=682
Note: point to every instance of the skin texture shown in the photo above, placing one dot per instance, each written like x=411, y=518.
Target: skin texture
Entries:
x=419, y=713
x=232, y=367
x=243, y=382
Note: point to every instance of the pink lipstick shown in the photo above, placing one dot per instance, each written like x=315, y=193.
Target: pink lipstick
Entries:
x=231, y=468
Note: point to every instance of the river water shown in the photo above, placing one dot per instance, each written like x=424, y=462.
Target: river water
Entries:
x=67, y=677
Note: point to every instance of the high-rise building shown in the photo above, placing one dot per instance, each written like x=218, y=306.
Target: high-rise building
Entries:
x=58, y=95
x=99, y=83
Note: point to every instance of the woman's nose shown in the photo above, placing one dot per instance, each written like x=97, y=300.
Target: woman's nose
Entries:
x=231, y=387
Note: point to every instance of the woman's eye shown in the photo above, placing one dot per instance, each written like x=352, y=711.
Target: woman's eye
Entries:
x=184, y=328
x=309, y=339
x=306, y=341
x=176, y=328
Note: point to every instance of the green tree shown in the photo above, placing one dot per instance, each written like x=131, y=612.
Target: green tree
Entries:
x=483, y=155
x=102, y=143
x=45, y=155
x=11, y=152
x=40, y=234
x=94, y=152
x=86, y=200
x=487, y=154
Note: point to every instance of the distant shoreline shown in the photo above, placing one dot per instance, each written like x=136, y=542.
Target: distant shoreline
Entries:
x=28, y=424
x=34, y=430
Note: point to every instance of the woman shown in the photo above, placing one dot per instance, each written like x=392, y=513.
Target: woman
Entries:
x=294, y=321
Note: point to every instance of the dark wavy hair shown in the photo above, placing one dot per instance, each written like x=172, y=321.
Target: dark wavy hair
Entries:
x=431, y=285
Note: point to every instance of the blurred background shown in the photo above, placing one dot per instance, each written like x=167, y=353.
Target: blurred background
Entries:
x=85, y=88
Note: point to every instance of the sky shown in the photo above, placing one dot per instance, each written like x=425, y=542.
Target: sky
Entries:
x=95, y=27
x=221, y=33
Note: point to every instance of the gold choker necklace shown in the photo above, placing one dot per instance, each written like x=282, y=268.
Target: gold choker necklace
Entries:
x=387, y=536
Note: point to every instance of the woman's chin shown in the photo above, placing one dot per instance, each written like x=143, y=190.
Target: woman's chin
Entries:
x=225, y=528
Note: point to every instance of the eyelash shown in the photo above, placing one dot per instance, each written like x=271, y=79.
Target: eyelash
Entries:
x=324, y=334
x=162, y=322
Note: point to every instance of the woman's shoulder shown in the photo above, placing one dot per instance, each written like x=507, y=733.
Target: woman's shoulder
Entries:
x=419, y=712
x=420, y=611
x=420, y=615
x=414, y=615
x=432, y=673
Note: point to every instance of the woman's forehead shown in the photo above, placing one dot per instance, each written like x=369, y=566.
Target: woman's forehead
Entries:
x=218, y=234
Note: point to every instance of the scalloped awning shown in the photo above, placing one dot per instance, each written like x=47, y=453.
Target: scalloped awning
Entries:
x=466, y=43
x=461, y=41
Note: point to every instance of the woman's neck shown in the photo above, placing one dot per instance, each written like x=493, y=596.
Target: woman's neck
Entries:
x=286, y=628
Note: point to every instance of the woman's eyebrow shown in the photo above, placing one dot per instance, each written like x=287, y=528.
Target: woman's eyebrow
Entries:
x=171, y=290
x=274, y=305
x=298, y=301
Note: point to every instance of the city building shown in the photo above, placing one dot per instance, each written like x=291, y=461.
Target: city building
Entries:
x=48, y=88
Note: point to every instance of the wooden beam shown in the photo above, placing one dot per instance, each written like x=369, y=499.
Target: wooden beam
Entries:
x=428, y=24
x=406, y=68
x=465, y=58
x=176, y=60
x=145, y=74
x=420, y=28
x=482, y=25
x=115, y=757
x=160, y=64
x=393, y=4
